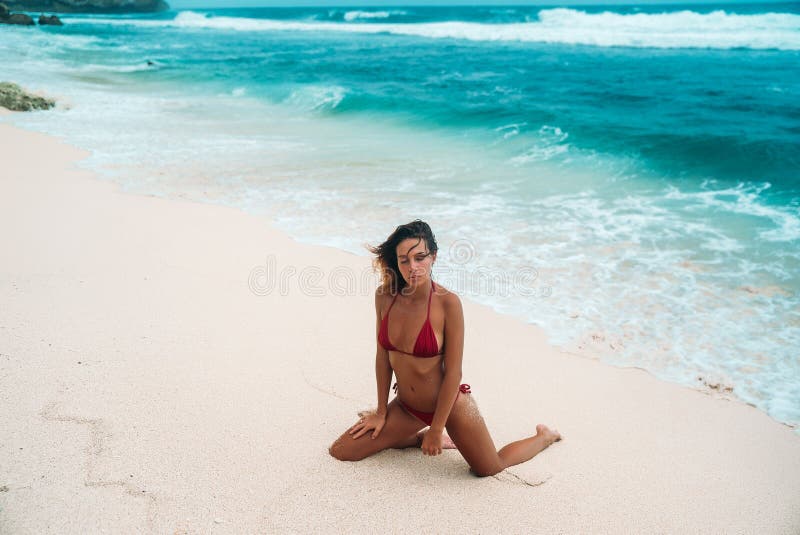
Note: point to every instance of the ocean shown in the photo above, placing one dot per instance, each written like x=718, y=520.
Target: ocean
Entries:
x=625, y=177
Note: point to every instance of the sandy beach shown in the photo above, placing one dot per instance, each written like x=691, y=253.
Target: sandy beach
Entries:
x=154, y=380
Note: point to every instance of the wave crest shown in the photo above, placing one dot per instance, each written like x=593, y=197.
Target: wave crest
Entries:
x=681, y=29
x=317, y=98
x=355, y=15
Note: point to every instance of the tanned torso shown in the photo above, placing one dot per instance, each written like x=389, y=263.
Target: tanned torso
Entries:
x=418, y=379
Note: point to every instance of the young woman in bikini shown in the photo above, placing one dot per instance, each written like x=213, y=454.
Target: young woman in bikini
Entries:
x=429, y=377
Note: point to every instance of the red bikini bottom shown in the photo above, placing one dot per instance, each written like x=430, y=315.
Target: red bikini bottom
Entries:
x=427, y=417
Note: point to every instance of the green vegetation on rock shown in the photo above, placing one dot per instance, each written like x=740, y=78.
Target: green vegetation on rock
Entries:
x=15, y=98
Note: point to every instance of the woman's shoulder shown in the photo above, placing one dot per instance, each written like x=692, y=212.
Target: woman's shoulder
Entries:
x=382, y=296
x=447, y=296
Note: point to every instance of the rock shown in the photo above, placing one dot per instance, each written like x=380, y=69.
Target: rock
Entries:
x=52, y=20
x=6, y=17
x=18, y=18
x=89, y=6
x=15, y=98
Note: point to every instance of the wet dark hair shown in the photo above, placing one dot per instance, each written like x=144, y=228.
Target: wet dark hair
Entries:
x=386, y=253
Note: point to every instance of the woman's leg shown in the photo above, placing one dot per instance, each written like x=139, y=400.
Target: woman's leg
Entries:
x=415, y=441
x=398, y=432
x=470, y=435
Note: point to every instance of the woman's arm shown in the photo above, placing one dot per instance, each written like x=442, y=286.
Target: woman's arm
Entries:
x=383, y=369
x=383, y=376
x=453, y=353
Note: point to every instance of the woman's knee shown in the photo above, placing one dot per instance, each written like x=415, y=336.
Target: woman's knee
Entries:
x=487, y=466
x=486, y=471
x=340, y=450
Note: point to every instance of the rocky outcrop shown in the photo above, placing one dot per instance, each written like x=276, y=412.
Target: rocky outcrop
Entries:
x=15, y=98
x=6, y=17
x=18, y=18
x=52, y=20
x=89, y=6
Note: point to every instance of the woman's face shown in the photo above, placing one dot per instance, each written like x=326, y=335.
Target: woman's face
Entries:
x=414, y=261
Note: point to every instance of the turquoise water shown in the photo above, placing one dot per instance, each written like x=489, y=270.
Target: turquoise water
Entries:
x=626, y=177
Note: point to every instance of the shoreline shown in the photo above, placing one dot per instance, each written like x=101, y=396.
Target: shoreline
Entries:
x=593, y=346
x=684, y=271
x=137, y=361
x=590, y=348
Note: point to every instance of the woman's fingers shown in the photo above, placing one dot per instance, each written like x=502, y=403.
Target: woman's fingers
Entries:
x=367, y=424
x=360, y=428
x=377, y=431
x=358, y=425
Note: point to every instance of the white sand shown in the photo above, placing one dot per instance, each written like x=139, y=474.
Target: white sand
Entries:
x=145, y=388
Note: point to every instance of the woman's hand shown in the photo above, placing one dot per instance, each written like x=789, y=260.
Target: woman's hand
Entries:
x=432, y=443
x=368, y=421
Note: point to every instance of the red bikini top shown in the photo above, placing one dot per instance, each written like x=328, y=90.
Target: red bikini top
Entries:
x=426, y=345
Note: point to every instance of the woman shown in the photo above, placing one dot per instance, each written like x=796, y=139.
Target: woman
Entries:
x=428, y=386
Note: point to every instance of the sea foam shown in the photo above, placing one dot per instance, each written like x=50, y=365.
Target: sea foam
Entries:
x=355, y=15
x=683, y=29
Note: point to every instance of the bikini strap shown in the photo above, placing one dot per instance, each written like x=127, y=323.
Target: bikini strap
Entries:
x=390, y=306
x=430, y=295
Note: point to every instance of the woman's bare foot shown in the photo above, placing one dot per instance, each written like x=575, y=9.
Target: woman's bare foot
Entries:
x=447, y=443
x=550, y=435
